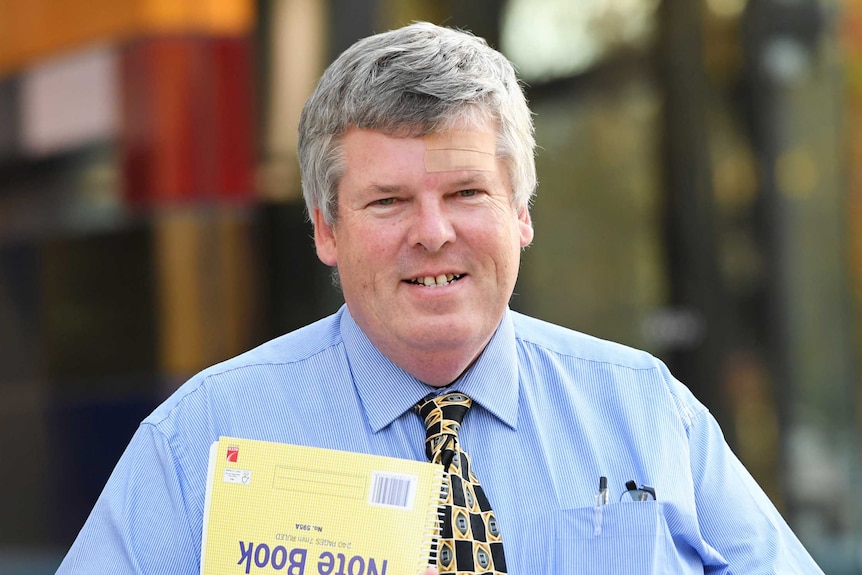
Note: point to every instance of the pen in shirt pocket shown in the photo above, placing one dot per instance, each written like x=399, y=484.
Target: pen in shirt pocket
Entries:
x=635, y=493
x=601, y=501
x=603, y=494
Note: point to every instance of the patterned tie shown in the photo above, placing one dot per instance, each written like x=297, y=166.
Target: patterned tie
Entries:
x=469, y=541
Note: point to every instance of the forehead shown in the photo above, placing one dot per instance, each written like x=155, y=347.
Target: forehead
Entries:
x=377, y=162
x=456, y=150
x=447, y=150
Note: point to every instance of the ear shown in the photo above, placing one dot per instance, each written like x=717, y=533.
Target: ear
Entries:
x=525, y=227
x=324, y=240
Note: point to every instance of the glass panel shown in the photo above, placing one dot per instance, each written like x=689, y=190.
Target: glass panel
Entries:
x=550, y=39
x=596, y=263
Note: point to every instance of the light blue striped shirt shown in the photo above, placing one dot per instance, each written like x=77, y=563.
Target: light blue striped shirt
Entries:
x=553, y=410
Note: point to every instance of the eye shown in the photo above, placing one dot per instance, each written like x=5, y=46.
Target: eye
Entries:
x=468, y=193
x=384, y=202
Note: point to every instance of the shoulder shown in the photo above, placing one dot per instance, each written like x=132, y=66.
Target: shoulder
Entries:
x=620, y=369
x=294, y=347
x=289, y=351
x=560, y=340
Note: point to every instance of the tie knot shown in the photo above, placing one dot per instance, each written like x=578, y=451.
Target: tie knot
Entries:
x=442, y=416
x=450, y=407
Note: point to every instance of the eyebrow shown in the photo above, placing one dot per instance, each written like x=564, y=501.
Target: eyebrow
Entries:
x=383, y=189
x=388, y=189
x=471, y=180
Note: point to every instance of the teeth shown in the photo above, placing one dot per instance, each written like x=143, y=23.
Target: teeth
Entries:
x=431, y=281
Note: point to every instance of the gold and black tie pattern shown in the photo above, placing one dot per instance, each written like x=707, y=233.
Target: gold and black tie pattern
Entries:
x=469, y=539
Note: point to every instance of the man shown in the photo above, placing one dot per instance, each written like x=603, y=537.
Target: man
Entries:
x=416, y=152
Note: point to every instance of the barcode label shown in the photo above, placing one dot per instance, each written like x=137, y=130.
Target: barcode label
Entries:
x=392, y=490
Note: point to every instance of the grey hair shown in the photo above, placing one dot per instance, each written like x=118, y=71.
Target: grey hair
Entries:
x=414, y=81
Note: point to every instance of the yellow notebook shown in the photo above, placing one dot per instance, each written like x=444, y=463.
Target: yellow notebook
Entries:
x=279, y=508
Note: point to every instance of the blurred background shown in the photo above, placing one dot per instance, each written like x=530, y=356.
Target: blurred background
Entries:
x=700, y=196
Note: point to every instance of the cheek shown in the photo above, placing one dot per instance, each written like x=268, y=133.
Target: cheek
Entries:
x=379, y=243
x=363, y=255
x=511, y=252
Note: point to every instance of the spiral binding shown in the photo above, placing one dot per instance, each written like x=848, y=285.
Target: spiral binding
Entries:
x=434, y=522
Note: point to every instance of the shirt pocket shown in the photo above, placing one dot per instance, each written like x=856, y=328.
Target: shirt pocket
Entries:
x=631, y=538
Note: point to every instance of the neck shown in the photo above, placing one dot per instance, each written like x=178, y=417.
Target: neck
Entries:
x=437, y=369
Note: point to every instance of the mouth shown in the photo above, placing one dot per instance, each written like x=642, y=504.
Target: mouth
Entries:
x=435, y=281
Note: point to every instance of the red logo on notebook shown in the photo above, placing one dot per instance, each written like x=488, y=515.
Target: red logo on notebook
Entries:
x=232, y=454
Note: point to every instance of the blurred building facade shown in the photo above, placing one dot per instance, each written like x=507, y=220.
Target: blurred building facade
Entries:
x=700, y=196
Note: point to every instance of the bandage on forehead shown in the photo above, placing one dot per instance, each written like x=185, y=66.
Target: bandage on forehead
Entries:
x=455, y=150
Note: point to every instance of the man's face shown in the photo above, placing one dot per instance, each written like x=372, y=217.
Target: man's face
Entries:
x=427, y=256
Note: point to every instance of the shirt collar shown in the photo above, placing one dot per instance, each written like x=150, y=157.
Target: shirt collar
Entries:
x=387, y=391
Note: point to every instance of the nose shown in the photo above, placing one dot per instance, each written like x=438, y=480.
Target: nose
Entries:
x=431, y=227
